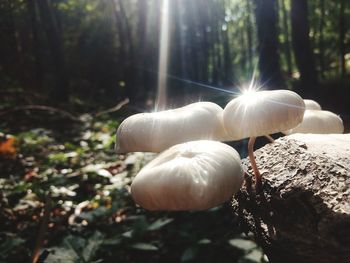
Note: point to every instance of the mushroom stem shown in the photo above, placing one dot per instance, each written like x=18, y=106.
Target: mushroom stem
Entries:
x=269, y=137
x=258, y=183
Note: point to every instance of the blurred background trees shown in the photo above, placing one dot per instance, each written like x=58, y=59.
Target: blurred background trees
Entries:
x=105, y=50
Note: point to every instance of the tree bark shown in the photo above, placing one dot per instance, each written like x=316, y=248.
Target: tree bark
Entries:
x=61, y=92
x=302, y=48
x=303, y=214
x=269, y=65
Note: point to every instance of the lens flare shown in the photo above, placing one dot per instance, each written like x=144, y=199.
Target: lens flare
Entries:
x=249, y=96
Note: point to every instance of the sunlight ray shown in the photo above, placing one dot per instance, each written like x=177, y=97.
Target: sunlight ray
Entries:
x=163, y=57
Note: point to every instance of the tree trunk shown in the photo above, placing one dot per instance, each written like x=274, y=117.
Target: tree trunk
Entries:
x=60, y=93
x=10, y=52
x=142, y=80
x=204, y=42
x=35, y=45
x=228, y=77
x=303, y=214
x=248, y=25
x=287, y=48
x=342, y=38
x=321, y=41
x=126, y=49
x=266, y=19
x=302, y=48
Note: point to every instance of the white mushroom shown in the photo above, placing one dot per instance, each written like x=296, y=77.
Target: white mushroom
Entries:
x=155, y=132
x=312, y=105
x=194, y=175
x=319, y=122
x=257, y=113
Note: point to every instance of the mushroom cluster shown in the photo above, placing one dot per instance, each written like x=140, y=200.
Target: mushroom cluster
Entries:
x=318, y=121
x=194, y=170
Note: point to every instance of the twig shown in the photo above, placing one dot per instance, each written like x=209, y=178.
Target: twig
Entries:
x=42, y=230
x=40, y=107
x=115, y=108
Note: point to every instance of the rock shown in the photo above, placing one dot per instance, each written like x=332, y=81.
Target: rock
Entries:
x=303, y=214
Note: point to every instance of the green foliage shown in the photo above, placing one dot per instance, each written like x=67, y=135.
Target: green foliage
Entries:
x=93, y=217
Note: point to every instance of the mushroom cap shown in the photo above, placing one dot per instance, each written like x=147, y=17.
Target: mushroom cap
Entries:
x=195, y=175
x=312, y=105
x=262, y=112
x=155, y=132
x=319, y=122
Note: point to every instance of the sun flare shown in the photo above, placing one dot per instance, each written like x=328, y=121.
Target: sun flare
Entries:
x=249, y=96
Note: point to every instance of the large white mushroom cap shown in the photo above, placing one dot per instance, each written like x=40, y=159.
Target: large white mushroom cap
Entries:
x=258, y=113
x=195, y=175
x=319, y=122
x=312, y=105
x=155, y=132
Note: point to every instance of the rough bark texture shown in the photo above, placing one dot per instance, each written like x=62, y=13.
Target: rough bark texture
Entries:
x=303, y=214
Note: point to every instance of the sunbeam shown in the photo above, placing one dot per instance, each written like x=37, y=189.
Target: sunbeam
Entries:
x=161, y=101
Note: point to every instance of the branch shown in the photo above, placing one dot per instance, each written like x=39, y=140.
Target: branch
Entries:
x=113, y=109
x=40, y=107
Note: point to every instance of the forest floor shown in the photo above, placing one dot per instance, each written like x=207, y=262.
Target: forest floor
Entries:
x=66, y=172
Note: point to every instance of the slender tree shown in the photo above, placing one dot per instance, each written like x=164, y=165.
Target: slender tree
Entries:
x=342, y=44
x=302, y=47
x=142, y=81
x=266, y=19
x=287, y=48
x=126, y=54
x=321, y=39
x=10, y=51
x=248, y=26
x=35, y=44
x=60, y=93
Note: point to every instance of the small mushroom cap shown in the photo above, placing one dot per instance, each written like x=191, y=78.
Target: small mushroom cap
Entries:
x=155, y=132
x=312, y=105
x=195, y=175
x=319, y=122
x=262, y=112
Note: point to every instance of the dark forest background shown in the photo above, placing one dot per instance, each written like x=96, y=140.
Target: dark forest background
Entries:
x=101, y=51
x=72, y=70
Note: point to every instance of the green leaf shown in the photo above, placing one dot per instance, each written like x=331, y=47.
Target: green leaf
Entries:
x=144, y=246
x=93, y=244
x=255, y=256
x=10, y=243
x=158, y=224
x=128, y=234
x=61, y=254
x=189, y=254
x=204, y=241
x=242, y=244
x=112, y=241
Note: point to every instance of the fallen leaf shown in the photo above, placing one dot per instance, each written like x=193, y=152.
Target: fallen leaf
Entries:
x=7, y=147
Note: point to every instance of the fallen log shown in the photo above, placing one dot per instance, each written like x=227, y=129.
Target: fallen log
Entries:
x=303, y=214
